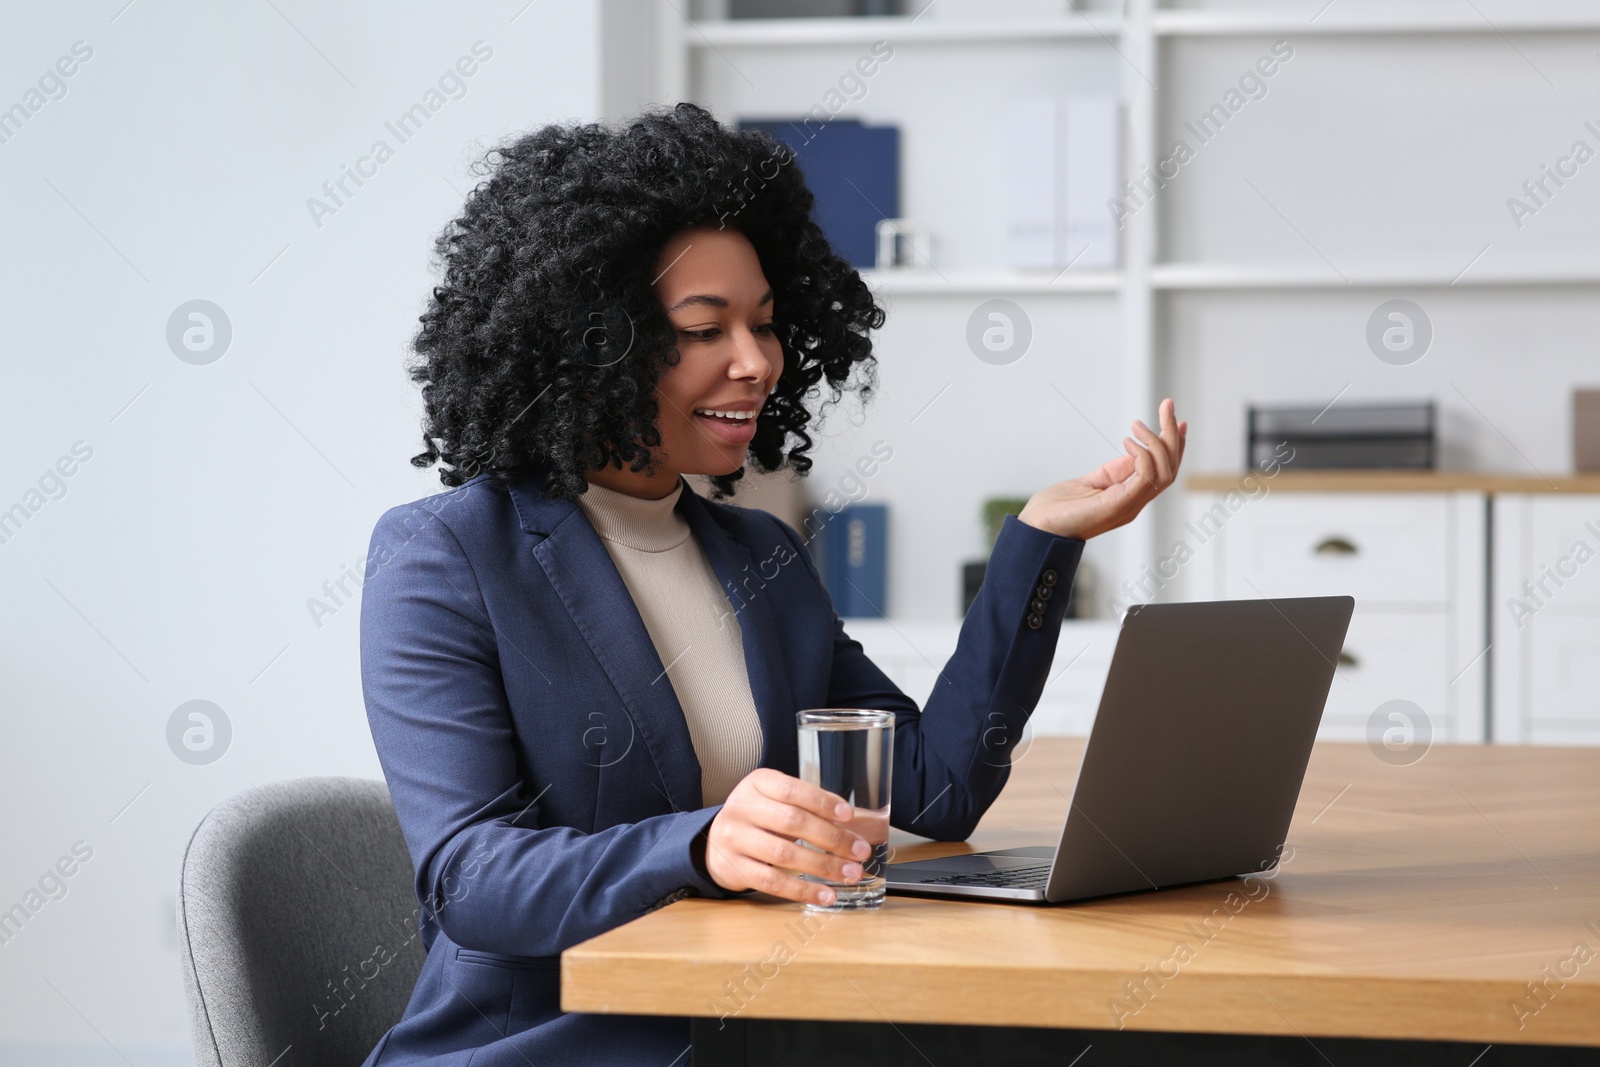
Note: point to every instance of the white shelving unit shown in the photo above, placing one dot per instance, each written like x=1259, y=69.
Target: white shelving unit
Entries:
x=1223, y=276
x=1133, y=48
x=931, y=282
x=1406, y=18
x=790, y=33
x=688, y=47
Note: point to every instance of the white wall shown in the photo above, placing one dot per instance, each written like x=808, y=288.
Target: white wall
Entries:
x=218, y=498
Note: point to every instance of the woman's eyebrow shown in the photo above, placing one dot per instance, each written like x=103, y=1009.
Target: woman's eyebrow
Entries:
x=713, y=300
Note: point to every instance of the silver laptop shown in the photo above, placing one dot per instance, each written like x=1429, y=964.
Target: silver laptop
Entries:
x=1194, y=761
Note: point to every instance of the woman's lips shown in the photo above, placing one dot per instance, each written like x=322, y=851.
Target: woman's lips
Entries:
x=734, y=433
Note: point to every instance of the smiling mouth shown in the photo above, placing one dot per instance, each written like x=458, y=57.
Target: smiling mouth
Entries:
x=737, y=431
x=735, y=417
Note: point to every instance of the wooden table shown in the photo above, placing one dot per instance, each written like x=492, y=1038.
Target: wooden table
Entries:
x=1456, y=899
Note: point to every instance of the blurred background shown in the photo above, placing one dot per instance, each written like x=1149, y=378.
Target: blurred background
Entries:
x=1373, y=225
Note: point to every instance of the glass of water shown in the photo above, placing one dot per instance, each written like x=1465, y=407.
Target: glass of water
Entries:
x=850, y=752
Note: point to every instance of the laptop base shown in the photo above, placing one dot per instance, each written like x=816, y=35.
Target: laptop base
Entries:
x=1011, y=874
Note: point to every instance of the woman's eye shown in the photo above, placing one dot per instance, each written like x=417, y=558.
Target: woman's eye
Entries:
x=711, y=331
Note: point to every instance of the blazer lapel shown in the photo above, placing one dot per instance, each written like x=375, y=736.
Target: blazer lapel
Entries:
x=742, y=580
x=584, y=576
x=589, y=585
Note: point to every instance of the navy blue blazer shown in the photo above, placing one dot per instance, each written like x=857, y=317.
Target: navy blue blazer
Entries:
x=541, y=765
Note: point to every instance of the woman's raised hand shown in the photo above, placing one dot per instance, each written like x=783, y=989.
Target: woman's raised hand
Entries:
x=1119, y=490
x=752, y=841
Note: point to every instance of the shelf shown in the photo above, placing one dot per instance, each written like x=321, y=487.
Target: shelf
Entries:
x=928, y=282
x=1244, y=24
x=1397, y=481
x=708, y=33
x=900, y=29
x=1175, y=276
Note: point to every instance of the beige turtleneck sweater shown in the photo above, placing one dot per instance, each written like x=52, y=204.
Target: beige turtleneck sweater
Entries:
x=688, y=615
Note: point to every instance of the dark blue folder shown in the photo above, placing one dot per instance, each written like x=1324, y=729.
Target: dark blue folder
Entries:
x=852, y=169
x=855, y=560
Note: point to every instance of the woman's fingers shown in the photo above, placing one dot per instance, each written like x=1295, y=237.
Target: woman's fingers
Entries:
x=1168, y=418
x=1157, y=448
x=800, y=809
x=764, y=876
x=771, y=864
x=790, y=823
x=741, y=856
x=756, y=838
x=1114, y=471
x=1109, y=473
x=1144, y=470
x=789, y=855
x=787, y=789
x=1166, y=447
x=1173, y=432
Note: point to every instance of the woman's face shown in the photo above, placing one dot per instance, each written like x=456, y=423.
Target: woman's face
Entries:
x=710, y=283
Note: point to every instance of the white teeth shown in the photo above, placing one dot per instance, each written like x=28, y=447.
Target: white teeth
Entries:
x=727, y=414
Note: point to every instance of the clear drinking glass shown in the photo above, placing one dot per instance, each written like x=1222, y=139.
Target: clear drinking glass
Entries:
x=850, y=752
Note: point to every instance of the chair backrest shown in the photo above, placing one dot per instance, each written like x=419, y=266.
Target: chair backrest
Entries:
x=297, y=924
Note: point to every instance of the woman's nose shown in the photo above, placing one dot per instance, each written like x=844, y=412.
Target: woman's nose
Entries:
x=749, y=359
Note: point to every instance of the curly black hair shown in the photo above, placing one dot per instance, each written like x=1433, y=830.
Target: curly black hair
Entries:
x=543, y=347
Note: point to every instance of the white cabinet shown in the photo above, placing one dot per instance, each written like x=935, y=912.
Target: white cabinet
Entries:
x=1376, y=547
x=1545, y=615
x=1415, y=562
x=1443, y=609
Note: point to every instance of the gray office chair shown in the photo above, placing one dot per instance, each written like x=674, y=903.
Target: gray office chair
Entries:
x=297, y=924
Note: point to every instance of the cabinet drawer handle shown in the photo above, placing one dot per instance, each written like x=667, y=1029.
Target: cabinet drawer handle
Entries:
x=1347, y=660
x=1335, y=546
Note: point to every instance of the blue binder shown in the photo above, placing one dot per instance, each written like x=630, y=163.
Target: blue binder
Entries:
x=852, y=169
x=855, y=547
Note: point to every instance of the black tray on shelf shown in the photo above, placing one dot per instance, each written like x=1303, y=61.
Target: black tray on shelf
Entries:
x=1399, y=435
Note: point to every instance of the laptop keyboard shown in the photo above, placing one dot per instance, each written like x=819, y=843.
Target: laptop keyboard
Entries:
x=1008, y=878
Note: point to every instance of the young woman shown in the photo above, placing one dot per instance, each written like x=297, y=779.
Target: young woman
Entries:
x=581, y=675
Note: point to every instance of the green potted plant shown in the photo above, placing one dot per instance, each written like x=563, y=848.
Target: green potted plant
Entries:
x=995, y=510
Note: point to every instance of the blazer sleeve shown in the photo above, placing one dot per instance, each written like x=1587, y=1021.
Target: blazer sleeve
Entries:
x=953, y=756
x=487, y=872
